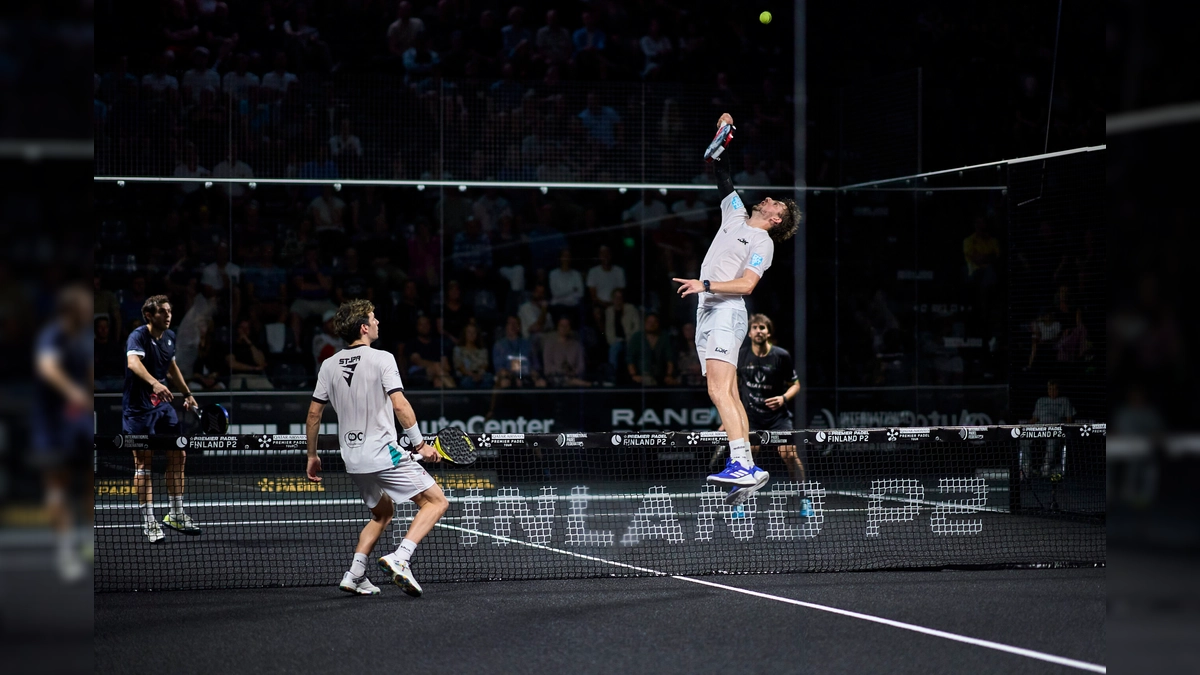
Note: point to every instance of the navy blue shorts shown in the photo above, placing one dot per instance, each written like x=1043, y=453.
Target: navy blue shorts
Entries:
x=59, y=440
x=161, y=420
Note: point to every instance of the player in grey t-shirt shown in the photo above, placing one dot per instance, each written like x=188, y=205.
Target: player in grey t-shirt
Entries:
x=363, y=386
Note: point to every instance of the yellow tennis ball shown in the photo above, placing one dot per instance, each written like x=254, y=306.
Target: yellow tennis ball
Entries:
x=765, y=17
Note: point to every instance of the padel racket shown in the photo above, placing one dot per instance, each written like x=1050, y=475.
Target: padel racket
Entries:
x=453, y=444
x=207, y=420
x=719, y=142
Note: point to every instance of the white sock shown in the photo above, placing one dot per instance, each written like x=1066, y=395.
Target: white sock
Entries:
x=404, y=553
x=66, y=543
x=177, y=505
x=147, y=512
x=739, y=451
x=359, y=566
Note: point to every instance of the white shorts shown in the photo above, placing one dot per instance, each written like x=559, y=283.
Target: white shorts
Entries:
x=402, y=482
x=720, y=331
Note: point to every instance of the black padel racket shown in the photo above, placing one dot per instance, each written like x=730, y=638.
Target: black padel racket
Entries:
x=211, y=419
x=453, y=444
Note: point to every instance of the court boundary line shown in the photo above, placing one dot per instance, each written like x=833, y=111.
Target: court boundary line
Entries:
x=602, y=497
x=933, y=632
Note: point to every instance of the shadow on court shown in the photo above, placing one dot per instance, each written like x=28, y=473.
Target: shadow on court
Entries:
x=637, y=625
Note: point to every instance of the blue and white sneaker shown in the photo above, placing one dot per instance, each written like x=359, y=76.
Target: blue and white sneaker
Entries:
x=734, y=474
x=806, y=509
x=739, y=494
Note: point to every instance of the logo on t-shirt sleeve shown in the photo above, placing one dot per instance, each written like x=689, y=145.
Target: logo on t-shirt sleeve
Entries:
x=756, y=260
x=736, y=202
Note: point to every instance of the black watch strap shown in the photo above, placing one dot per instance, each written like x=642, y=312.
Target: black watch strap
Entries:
x=707, y=289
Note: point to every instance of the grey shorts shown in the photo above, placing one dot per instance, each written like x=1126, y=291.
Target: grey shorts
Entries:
x=401, y=482
x=720, y=332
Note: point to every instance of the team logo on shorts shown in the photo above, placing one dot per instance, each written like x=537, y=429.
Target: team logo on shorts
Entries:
x=756, y=260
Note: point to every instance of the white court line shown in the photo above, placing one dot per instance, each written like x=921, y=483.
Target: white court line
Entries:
x=532, y=498
x=998, y=646
x=987, y=644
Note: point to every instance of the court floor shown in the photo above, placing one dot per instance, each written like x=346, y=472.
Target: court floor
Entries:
x=990, y=621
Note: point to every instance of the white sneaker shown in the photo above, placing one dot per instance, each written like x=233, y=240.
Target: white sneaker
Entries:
x=70, y=567
x=153, y=531
x=401, y=575
x=181, y=523
x=359, y=586
x=739, y=494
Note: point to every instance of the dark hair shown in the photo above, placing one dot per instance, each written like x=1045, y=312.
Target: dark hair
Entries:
x=350, y=317
x=154, y=303
x=788, y=224
x=763, y=319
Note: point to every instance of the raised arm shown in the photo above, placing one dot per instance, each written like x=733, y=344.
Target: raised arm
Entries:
x=721, y=168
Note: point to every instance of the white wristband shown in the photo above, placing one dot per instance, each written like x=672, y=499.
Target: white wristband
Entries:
x=414, y=436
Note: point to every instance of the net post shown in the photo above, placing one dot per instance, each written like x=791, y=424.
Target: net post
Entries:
x=1014, y=479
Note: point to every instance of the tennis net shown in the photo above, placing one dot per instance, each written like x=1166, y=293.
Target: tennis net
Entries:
x=572, y=505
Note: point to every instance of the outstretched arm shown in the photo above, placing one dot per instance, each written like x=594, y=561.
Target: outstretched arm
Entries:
x=720, y=168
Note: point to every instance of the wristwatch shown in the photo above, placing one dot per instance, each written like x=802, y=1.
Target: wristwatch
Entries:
x=706, y=287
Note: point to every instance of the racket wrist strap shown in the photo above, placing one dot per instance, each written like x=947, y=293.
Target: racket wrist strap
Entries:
x=414, y=435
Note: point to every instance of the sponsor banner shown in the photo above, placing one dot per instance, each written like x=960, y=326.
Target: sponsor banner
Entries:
x=1039, y=431
x=500, y=441
x=643, y=439
x=840, y=436
x=132, y=441
x=907, y=407
x=599, y=410
x=207, y=442
x=974, y=433
x=909, y=434
x=705, y=438
x=571, y=440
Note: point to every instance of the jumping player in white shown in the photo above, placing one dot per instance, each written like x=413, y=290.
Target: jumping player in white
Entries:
x=740, y=253
x=363, y=386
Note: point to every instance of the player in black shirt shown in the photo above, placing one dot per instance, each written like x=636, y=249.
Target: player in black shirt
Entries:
x=767, y=382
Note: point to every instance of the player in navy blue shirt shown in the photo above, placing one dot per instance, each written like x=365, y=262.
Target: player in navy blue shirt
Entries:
x=146, y=409
x=62, y=422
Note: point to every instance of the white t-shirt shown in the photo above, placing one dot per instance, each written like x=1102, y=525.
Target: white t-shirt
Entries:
x=159, y=83
x=358, y=382
x=199, y=80
x=566, y=288
x=239, y=86
x=1053, y=410
x=238, y=169
x=604, y=281
x=737, y=247
x=212, y=275
x=326, y=215
x=696, y=213
x=182, y=171
x=280, y=83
